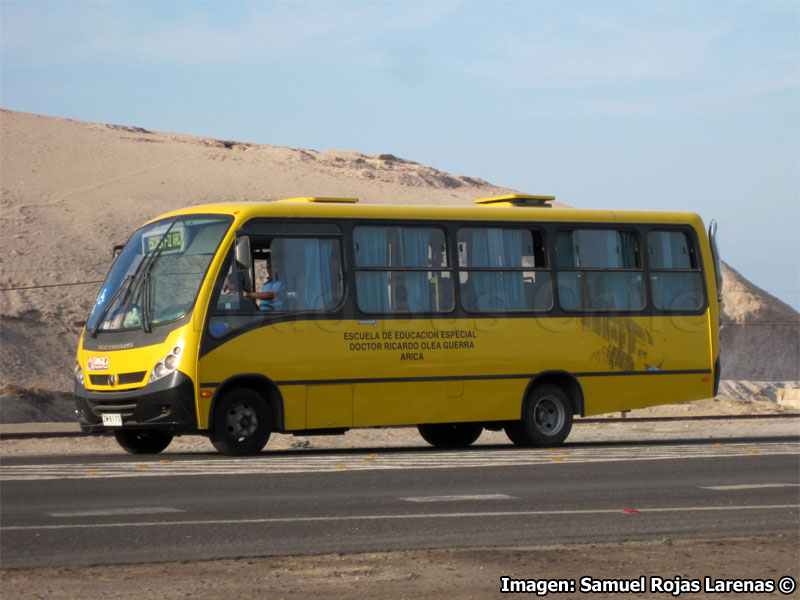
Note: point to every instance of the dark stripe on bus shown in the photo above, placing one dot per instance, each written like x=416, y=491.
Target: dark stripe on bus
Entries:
x=471, y=377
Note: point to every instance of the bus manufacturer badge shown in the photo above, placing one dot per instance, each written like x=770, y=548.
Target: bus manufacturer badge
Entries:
x=97, y=363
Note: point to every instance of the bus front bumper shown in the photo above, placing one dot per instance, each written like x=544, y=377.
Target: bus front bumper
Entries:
x=167, y=405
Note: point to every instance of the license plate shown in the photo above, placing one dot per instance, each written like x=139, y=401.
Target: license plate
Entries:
x=112, y=420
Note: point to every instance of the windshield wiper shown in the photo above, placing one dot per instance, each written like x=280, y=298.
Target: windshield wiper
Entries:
x=145, y=304
x=148, y=269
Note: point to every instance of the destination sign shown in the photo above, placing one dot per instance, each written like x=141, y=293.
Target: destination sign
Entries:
x=172, y=241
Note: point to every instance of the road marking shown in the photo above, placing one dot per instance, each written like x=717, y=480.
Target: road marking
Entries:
x=748, y=486
x=114, y=512
x=459, y=498
x=394, y=517
x=280, y=462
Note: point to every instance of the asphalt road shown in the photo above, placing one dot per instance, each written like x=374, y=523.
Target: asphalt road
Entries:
x=88, y=510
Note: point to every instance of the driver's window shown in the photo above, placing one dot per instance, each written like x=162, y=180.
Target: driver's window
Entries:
x=232, y=309
x=230, y=296
x=289, y=275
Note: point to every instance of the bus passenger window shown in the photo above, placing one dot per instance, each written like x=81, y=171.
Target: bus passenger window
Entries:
x=402, y=269
x=499, y=270
x=599, y=270
x=311, y=270
x=676, y=282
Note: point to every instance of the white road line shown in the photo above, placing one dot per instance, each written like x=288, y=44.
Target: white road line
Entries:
x=459, y=498
x=276, y=463
x=748, y=486
x=115, y=512
x=394, y=517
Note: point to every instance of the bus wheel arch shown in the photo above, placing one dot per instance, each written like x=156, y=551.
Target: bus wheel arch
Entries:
x=551, y=400
x=244, y=413
x=260, y=384
x=565, y=381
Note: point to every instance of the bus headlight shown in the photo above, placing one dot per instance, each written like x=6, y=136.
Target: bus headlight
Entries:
x=79, y=374
x=168, y=364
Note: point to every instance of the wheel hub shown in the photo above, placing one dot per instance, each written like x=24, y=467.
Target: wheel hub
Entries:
x=242, y=421
x=548, y=416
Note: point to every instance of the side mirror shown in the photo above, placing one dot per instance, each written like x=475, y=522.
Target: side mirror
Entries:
x=244, y=260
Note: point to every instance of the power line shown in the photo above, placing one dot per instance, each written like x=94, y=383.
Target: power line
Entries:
x=749, y=325
x=39, y=287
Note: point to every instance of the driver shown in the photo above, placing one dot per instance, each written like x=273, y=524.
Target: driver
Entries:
x=273, y=293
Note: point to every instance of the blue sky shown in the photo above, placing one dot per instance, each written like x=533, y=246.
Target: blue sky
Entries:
x=683, y=104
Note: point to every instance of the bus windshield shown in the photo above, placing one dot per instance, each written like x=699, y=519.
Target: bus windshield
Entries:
x=157, y=275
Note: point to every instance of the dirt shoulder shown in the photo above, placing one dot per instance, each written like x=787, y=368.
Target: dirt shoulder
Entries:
x=467, y=573
x=593, y=430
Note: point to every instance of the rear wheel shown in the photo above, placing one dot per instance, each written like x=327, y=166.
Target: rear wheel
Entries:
x=546, y=418
x=242, y=423
x=141, y=441
x=450, y=435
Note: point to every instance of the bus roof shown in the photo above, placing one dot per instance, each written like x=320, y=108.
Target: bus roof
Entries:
x=501, y=208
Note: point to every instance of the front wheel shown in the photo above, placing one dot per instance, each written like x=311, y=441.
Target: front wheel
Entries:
x=141, y=441
x=450, y=435
x=546, y=418
x=242, y=423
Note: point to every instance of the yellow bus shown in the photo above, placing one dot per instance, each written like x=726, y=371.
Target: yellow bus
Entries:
x=316, y=315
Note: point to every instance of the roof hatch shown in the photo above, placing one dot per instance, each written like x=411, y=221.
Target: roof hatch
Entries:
x=517, y=200
x=318, y=199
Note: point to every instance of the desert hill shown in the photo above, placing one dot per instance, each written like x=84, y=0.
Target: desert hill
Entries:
x=760, y=335
x=72, y=189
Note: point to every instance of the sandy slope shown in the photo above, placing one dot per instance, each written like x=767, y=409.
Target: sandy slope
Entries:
x=759, y=334
x=72, y=189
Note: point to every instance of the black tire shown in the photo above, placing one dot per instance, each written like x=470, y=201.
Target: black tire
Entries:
x=242, y=423
x=142, y=441
x=546, y=418
x=516, y=433
x=450, y=435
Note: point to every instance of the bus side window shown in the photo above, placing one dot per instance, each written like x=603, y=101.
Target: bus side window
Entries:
x=231, y=310
x=599, y=270
x=311, y=269
x=306, y=272
x=676, y=282
x=402, y=269
x=230, y=296
x=500, y=270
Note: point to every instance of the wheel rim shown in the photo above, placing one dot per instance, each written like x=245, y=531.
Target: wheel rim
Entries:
x=548, y=415
x=242, y=421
